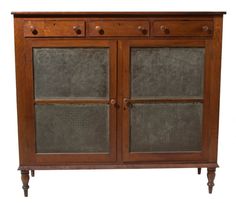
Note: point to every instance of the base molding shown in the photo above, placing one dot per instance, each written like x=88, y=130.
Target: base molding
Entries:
x=119, y=166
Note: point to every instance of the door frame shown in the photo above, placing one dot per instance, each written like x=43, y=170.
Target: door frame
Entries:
x=195, y=156
x=29, y=138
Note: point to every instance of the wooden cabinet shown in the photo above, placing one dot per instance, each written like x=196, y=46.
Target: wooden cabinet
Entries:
x=118, y=90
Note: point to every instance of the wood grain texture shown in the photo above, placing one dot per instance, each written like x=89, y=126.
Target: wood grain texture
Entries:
x=25, y=180
x=117, y=14
x=53, y=28
x=120, y=166
x=117, y=28
x=215, y=56
x=22, y=103
x=211, y=177
x=182, y=28
x=70, y=157
x=139, y=156
x=122, y=32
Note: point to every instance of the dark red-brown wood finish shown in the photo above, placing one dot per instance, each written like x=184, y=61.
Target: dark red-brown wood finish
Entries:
x=119, y=32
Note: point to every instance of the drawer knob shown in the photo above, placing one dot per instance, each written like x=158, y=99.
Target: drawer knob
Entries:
x=142, y=29
x=205, y=28
x=127, y=104
x=77, y=30
x=114, y=103
x=33, y=30
x=99, y=29
x=164, y=29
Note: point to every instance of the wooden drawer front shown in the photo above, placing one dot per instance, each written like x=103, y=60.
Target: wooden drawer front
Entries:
x=54, y=28
x=118, y=28
x=182, y=28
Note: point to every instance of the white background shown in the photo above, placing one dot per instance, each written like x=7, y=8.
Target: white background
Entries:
x=143, y=185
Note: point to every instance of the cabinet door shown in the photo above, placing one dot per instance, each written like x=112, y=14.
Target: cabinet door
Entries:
x=165, y=102
x=73, y=98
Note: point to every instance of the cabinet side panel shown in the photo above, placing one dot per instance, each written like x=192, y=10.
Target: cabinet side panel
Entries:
x=20, y=77
x=215, y=87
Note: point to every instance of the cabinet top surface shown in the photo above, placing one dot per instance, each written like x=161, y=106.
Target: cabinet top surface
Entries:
x=117, y=14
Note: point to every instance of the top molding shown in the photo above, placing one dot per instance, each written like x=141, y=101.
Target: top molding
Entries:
x=116, y=14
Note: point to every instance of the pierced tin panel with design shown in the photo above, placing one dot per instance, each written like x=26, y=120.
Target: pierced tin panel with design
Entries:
x=166, y=127
x=62, y=128
x=71, y=72
x=167, y=72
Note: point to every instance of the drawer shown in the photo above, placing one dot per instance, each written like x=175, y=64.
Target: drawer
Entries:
x=182, y=28
x=117, y=28
x=54, y=28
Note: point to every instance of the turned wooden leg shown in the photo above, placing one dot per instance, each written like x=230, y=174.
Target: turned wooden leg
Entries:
x=32, y=173
x=199, y=170
x=211, y=176
x=25, y=181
